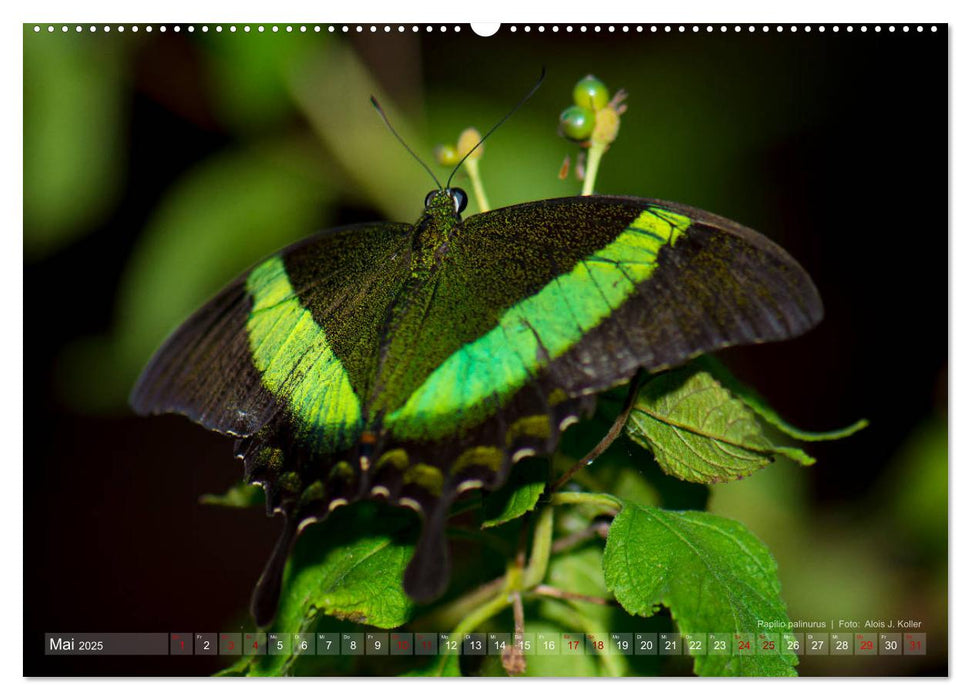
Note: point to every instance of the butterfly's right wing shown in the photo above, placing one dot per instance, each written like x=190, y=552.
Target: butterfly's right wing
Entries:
x=250, y=354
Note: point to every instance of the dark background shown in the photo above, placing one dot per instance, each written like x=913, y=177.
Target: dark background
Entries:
x=834, y=145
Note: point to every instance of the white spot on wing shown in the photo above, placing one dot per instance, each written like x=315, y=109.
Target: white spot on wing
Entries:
x=522, y=453
x=410, y=503
x=469, y=485
x=335, y=504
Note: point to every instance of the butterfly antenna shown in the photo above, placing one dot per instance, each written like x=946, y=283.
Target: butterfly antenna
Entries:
x=532, y=90
x=414, y=155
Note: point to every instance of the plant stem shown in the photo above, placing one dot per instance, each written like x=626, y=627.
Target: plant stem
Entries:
x=564, y=543
x=513, y=658
x=604, y=501
x=454, y=612
x=551, y=592
x=615, y=429
x=472, y=167
x=475, y=618
x=594, y=154
x=539, y=557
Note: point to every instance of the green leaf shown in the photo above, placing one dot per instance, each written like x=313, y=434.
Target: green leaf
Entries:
x=751, y=398
x=699, y=432
x=711, y=572
x=581, y=571
x=519, y=495
x=349, y=567
x=238, y=496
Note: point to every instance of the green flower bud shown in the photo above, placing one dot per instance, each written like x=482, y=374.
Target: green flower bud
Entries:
x=591, y=93
x=447, y=155
x=576, y=123
x=468, y=140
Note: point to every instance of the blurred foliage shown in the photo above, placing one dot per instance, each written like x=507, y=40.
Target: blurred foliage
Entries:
x=74, y=147
x=248, y=75
x=333, y=88
x=237, y=496
x=916, y=488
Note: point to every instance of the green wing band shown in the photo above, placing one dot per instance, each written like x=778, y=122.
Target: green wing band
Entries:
x=296, y=362
x=466, y=387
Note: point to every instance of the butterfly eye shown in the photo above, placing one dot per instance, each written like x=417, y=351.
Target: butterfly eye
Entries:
x=460, y=199
x=429, y=197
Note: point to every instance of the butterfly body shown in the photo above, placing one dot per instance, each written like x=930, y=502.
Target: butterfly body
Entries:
x=411, y=363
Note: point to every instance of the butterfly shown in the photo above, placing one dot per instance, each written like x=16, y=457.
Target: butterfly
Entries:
x=412, y=363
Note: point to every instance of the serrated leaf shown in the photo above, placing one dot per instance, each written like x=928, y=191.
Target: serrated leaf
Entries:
x=751, y=398
x=238, y=496
x=710, y=572
x=350, y=567
x=698, y=431
x=519, y=494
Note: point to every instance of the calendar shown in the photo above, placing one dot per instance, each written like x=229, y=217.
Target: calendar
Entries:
x=231, y=644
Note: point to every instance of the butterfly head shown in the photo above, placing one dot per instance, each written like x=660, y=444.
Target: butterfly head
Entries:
x=443, y=213
x=450, y=202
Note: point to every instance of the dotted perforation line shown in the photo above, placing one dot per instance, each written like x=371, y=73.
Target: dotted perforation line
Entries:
x=249, y=28
x=722, y=28
x=513, y=29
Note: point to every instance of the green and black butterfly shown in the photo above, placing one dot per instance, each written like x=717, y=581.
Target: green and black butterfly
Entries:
x=412, y=363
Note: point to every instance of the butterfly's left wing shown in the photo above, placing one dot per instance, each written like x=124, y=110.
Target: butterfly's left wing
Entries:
x=275, y=342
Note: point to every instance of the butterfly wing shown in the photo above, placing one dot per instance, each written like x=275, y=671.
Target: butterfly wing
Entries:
x=249, y=355
x=536, y=307
x=577, y=294
x=646, y=283
x=281, y=358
